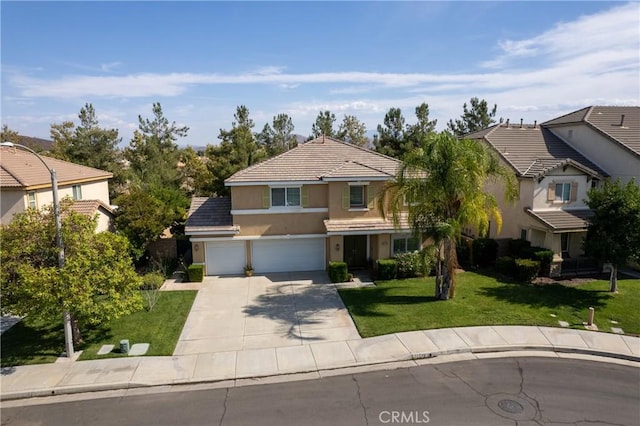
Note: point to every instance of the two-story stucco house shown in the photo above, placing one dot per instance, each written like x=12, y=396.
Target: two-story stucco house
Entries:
x=553, y=182
x=25, y=182
x=298, y=211
x=606, y=135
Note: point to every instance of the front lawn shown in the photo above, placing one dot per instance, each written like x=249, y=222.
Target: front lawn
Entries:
x=405, y=305
x=36, y=342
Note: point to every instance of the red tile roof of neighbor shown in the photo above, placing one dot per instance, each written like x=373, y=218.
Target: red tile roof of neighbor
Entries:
x=89, y=207
x=22, y=169
x=621, y=124
x=319, y=159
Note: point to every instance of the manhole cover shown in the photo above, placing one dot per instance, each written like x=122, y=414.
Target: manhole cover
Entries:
x=510, y=406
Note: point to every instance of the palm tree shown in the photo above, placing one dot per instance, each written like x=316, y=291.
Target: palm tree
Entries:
x=439, y=189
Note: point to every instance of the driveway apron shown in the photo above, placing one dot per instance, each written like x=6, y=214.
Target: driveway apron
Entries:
x=266, y=311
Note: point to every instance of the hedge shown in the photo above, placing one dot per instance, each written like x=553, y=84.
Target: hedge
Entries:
x=526, y=269
x=516, y=246
x=484, y=251
x=387, y=269
x=195, y=273
x=338, y=272
x=506, y=265
x=545, y=257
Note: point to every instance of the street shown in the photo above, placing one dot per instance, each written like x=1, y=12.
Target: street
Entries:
x=479, y=392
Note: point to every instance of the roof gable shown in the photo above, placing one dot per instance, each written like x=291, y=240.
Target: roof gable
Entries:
x=21, y=169
x=323, y=157
x=533, y=151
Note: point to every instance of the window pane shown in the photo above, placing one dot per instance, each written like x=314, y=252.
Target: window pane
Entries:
x=77, y=192
x=293, y=196
x=558, y=192
x=277, y=196
x=399, y=245
x=566, y=192
x=356, y=196
x=413, y=244
x=32, y=200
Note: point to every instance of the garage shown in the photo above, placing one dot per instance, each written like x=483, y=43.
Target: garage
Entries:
x=282, y=255
x=225, y=257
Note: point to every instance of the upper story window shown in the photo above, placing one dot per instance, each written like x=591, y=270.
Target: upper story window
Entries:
x=77, y=192
x=357, y=196
x=405, y=243
x=563, y=192
x=285, y=197
x=31, y=197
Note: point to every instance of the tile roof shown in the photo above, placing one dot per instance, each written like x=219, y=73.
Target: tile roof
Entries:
x=89, y=207
x=364, y=225
x=533, y=151
x=22, y=169
x=210, y=214
x=608, y=121
x=563, y=220
x=323, y=157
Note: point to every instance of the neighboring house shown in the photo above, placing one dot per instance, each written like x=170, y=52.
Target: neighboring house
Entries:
x=553, y=182
x=607, y=135
x=25, y=182
x=298, y=211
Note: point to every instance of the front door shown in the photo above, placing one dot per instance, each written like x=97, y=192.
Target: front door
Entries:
x=355, y=251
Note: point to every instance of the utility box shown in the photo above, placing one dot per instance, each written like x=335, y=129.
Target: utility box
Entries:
x=124, y=346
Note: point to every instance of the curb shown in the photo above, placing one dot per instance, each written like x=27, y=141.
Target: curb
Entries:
x=68, y=390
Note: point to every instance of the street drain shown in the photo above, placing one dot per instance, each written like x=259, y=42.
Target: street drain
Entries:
x=510, y=406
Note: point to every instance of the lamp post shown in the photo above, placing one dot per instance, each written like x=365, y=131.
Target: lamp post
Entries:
x=66, y=317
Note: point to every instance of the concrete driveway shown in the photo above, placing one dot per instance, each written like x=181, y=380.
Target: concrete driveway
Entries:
x=270, y=311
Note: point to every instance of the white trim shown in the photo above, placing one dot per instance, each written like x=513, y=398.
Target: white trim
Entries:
x=358, y=183
x=276, y=183
x=347, y=179
x=258, y=237
x=280, y=210
x=358, y=209
x=364, y=232
x=234, y=232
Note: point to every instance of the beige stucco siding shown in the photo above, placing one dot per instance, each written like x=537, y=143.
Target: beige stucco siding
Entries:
x=280, y=224
x=614, y=159
x=251, y=197
x=197, y=251
x=11, y=202
x=383, y=246
x=513, y=213
x=90, y=191
x=335, y=248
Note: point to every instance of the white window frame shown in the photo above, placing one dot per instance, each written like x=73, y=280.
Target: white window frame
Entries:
x=32, y=200
x=560, y=198
x=77, y=192
x=286, y=202
x=405, y=238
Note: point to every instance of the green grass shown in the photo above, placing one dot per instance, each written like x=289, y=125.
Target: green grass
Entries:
x=33, y=341
x=405, y=305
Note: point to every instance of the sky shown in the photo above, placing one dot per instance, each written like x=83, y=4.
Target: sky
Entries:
x=200, y=60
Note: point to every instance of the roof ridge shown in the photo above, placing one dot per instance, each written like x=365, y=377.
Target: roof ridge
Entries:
x=588, y=114
x=358, y=147
x=564, y=115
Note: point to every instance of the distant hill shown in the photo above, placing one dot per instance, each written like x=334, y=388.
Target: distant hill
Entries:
x=36, y=144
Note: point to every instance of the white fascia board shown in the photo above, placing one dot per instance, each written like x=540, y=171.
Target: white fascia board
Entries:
x=356, y=180
x=278, y=183
x=259, y=237
x=277, y=210
x=234, y=232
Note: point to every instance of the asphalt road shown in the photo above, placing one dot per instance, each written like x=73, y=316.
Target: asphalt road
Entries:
x=506, y=391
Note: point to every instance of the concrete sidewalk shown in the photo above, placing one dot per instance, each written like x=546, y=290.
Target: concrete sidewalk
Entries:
x=315, y=359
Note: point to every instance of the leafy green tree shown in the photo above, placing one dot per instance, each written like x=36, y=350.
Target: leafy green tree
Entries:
x=440, y=189
x=90, y=145
x=353, y=131
x=415, y=133
x=476, y=118
x=279, y=138
x=239, y=149
x=323, y=125
x=194, y=174
x=390, y=139
x=613, y=235
x=97, y=283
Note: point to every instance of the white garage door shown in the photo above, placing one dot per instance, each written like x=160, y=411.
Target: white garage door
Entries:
x=303, y=254
x=225, y=257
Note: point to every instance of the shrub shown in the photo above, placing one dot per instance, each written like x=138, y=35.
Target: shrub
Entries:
x=409, y=265
x=463, y=251
x=150, y=287
x=338, y=272
x=516, y=246
x=387, y=269
x=545, y=257
x=526, y=269
x=484, y=251
x=195, y=273
x=506, y=265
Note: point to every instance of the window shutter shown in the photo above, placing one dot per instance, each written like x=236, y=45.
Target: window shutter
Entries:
x=346, y=199
x=266, y=198
x=371, y=196
x=304, y=196
x=574, y=191
x=551, y=194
